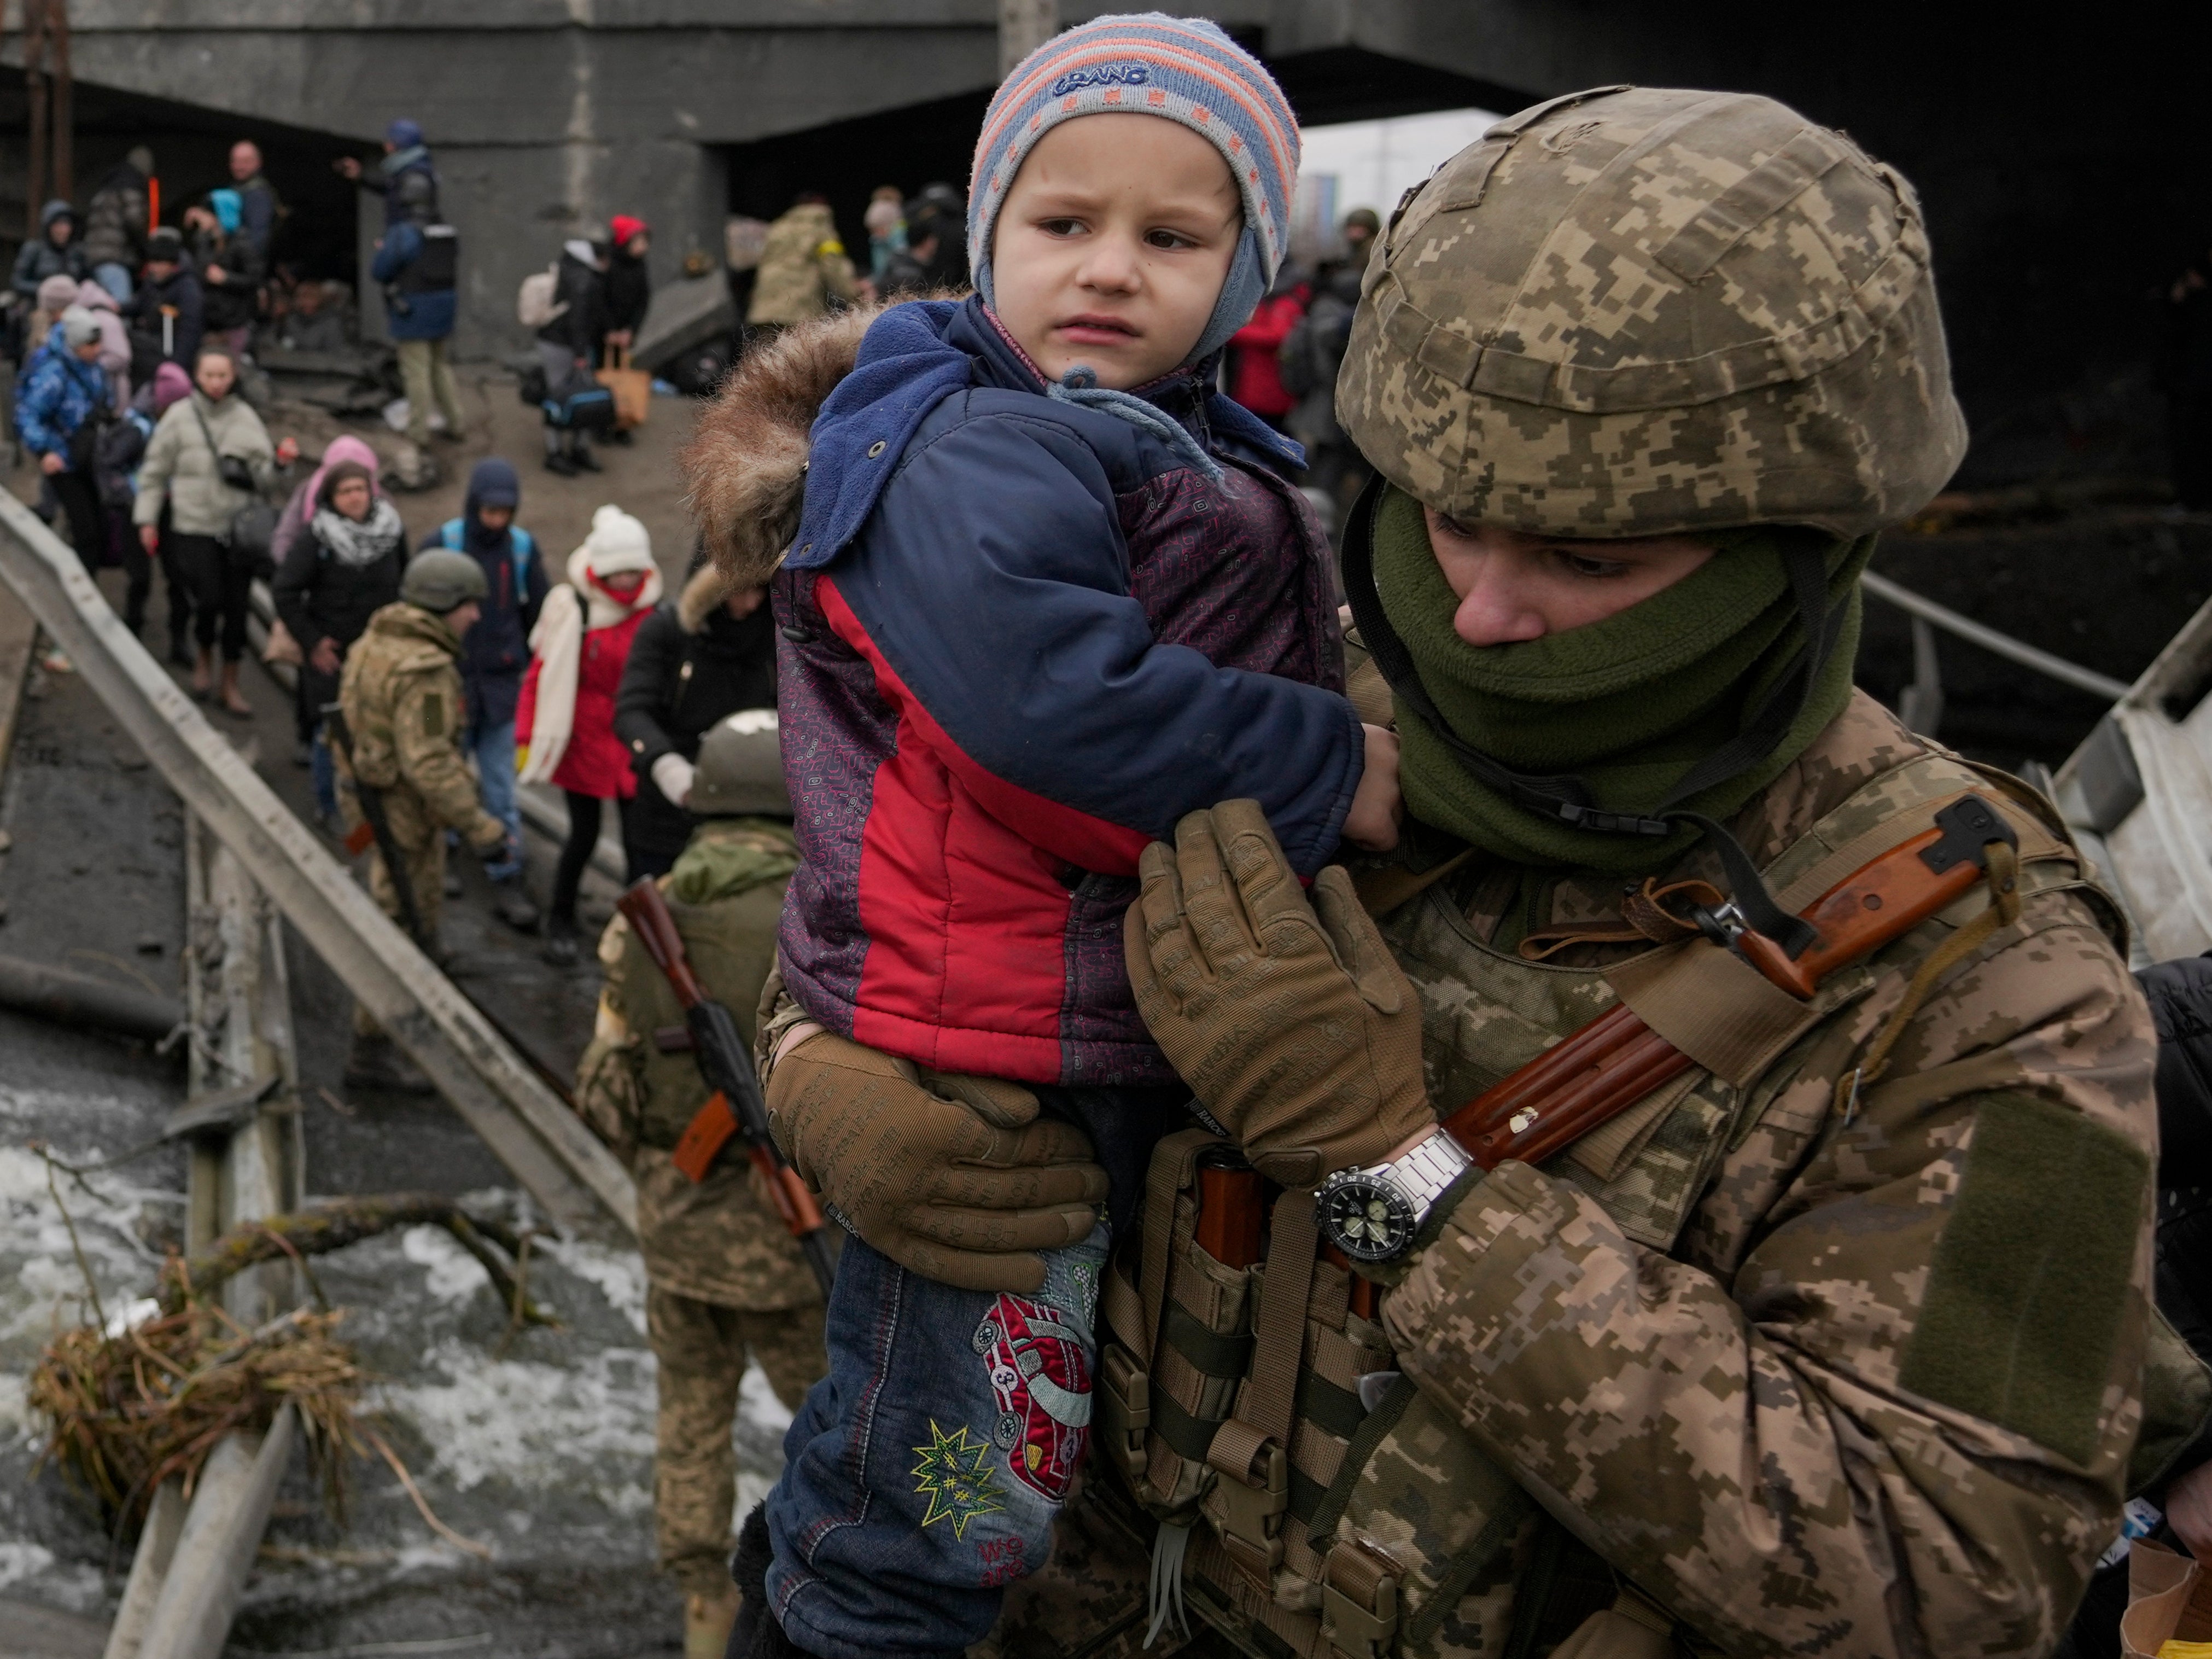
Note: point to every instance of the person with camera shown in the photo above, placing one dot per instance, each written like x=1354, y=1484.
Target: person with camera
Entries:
x=418, y=263
x=210, y=458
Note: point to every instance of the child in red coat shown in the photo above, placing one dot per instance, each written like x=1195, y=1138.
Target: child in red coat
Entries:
x=564, y=727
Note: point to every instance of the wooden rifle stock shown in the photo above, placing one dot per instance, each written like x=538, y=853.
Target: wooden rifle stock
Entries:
x=1616, y=1060
x=717, y=1049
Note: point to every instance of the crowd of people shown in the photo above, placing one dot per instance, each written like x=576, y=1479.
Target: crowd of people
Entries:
x=1120, y=933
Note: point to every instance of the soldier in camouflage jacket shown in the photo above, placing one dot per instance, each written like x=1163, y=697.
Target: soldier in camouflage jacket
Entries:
x=1841, y=1344
x=723, y=1278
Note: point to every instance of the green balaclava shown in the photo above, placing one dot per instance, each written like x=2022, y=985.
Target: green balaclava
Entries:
x=1628, y=705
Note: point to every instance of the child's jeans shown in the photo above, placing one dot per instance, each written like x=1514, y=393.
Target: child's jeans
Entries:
x=923, y=1474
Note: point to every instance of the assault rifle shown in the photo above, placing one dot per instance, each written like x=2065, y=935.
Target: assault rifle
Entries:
x=735, y=1110
x=1616, y=1060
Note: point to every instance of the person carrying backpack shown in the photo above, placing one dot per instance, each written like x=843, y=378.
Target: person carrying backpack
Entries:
x=418, y=263
x=494, y=656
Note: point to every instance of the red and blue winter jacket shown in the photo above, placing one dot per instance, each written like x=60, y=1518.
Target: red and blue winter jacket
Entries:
x=1019, y=639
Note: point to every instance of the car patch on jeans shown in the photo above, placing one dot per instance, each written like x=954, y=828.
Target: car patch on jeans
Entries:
x=1040, y=1371
x=951, y=1475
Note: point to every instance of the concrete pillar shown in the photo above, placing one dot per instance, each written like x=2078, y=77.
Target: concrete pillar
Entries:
x=1024, y=25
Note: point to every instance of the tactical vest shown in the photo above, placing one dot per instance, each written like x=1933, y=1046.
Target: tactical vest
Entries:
x=731, y=941
x=1312, y=1501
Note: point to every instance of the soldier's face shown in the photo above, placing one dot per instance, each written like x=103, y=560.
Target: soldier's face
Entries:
x=1513, y=587
x=462, y=617
x=1112, y=247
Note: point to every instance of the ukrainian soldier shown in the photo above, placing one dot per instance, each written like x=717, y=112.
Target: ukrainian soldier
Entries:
x=400, y=766
x=1838, y=1338
x=804, y=269
x=725, y=1278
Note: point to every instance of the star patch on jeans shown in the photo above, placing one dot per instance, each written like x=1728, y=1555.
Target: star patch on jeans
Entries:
x=1041, y=1376
x=951, y=1475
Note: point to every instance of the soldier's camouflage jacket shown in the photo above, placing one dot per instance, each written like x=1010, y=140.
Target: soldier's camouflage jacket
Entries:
x=1816, y=1382
x=803, y=267
x=401, y=692
x=719, y=1240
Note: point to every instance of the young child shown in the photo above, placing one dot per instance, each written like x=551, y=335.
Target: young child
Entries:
x=1048, y=595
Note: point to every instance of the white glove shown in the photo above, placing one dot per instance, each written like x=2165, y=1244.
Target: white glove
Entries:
x=672, y=775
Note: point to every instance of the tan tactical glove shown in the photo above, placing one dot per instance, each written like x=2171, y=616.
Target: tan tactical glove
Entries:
x=951, y=1177
x=1294, y=1029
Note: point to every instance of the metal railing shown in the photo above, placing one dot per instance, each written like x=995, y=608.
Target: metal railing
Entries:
x=1927, y=614
x=549, y=1152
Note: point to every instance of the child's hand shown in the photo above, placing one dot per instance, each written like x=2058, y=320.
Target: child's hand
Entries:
x=1377, y=808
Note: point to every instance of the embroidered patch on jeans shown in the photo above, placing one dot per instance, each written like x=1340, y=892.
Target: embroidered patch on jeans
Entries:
x=951, y=1475
x=1041, y=1376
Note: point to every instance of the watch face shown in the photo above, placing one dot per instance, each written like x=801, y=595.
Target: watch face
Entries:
x=1367, y=1219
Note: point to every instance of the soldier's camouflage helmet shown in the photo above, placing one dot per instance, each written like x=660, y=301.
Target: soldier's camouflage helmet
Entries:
x=1644, y=312
x=740, y=768
x=441, y=579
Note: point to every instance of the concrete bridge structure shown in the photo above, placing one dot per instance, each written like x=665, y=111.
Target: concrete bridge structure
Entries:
x=2063, y=182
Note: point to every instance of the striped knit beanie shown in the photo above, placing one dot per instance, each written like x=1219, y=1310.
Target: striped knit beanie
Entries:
x=1184, y=69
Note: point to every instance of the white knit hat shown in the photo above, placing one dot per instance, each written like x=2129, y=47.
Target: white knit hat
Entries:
x=79, y=326
x=617, y=543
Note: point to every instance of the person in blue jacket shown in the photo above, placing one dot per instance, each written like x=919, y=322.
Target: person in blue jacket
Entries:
x=494, y=654
x=64, y=391
x=417, y=260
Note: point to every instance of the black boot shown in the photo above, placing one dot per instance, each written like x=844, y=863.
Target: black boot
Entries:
x=180, y=650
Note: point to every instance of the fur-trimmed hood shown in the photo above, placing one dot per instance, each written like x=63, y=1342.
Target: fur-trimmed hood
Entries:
x=744, y=470
x=704, y=590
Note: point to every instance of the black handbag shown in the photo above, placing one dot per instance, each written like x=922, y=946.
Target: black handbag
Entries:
x=253, y=526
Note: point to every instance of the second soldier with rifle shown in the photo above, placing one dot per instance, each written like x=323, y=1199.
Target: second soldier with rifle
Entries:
x=726, y=1278
x=403, y=781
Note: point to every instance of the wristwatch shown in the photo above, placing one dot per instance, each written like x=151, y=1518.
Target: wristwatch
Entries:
x=1372, y=1214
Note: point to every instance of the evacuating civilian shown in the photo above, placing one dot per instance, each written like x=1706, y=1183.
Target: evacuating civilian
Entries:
x=166, y=315
x=1255, y=379
x=115, y=223
x=568, y=346
x=256, y=196
x=211, y=456
x=57, y=416
x=325, y=589
x=495, y=655
x=693, y=663
x=230, y=269
x=565, y=726
x=53, y=252
x=629, y=291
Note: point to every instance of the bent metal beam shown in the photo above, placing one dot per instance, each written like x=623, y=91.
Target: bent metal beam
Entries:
x=549, y=1152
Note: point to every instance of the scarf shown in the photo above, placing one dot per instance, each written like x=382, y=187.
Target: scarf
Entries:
x=570, y=611
x=356, y=545
x=1628, y=704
